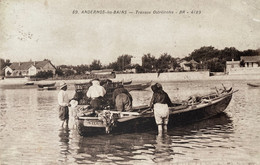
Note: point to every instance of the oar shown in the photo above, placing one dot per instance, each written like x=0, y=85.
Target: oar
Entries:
x=145, y=111
x=132, y=117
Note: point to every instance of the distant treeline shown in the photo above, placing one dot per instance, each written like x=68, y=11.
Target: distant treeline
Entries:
x=215, y=60
x=208, y=58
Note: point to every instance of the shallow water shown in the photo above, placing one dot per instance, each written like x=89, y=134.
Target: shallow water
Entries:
x=30, y=131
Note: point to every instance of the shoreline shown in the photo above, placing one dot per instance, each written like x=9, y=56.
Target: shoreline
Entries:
x=144, y=77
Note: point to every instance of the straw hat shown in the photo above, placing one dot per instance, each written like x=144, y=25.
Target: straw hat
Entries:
x=62, y=85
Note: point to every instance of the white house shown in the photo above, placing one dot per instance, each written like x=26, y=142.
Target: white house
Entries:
x=185, y=65
x=232, y=64
x=251, y=61
x=191, y=65
x=247, y=65
x=28, y=68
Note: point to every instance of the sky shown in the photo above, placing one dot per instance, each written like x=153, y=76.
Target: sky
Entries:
x=45, y=29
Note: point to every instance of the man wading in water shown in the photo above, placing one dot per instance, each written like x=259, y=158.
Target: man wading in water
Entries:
x=63, y=101
x=160, y=102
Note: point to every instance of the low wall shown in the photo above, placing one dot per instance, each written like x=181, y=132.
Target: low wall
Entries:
x=169, y=76
x=244, y=71
x=14, y=80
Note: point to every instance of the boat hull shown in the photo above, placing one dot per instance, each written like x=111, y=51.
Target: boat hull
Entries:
x=46, y=85
x=253, y=85
x=132, y=87
x=147, y=121
x=200, y=113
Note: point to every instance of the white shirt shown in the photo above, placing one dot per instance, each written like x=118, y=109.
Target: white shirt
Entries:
x=96, y=90
x=63, y=98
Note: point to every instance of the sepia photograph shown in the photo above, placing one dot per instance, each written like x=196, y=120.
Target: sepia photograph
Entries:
x=129, y=82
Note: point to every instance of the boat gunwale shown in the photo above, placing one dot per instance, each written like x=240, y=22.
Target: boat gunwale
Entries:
x=201, y=105
x=172, y=111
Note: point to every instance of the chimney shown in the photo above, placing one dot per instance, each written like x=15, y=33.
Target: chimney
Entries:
x=19, y=63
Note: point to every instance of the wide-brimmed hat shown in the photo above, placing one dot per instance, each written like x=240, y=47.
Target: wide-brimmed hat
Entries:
x=156, y=87
x=62, y=85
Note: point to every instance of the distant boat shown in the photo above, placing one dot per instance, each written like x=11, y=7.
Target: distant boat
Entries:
x=46, y=85
x=48, y=88
x=29, y=83
x=253, y=85
x=140, y=86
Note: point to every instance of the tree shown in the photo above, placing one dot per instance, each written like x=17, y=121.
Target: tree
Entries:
x=139, y=69
x=44, y=74
x=123, y=61
x=59, y=72
x=3, y=63
x=113, y=66
x=174, y=63
x=164, y=62
x=81, y=69
x=242, y=63
x=68, y=72
x=228, y=54
x=148, y=63
x=251, y=52
x=95, y=65
x=203, y=54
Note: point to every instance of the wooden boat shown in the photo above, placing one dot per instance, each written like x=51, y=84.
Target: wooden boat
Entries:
x=253, y=85
x=46, y=85
x=142, y=118
x=140, y=86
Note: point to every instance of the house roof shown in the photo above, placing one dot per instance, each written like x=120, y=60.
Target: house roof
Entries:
x=193, y=62
x=189, y=62
x=27, y=65
x=250, y=58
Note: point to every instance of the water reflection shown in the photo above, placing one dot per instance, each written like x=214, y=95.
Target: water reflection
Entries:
x=64, y=140
x=220, y=122
x=147, y=146
x=163, y=149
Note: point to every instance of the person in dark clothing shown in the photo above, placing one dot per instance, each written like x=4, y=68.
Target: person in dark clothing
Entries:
x=122, y=99
x=160, y=103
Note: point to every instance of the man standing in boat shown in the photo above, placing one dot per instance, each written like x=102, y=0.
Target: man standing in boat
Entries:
x=63, y=101
x=122, y=99
x=96, y=92
x=159, y=103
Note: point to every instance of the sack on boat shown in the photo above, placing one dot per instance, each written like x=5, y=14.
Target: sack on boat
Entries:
x=194, y=99
x=107, y=117
x=73, y=103
x=84, y=111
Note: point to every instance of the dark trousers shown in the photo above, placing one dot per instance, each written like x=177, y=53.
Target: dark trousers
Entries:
x=96, y=103
x=64, y=113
